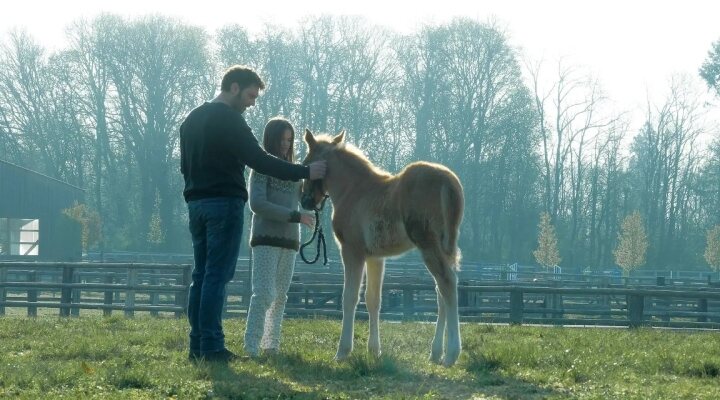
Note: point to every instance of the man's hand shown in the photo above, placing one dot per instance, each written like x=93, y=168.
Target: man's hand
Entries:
x=317, y=170
x=307, y=220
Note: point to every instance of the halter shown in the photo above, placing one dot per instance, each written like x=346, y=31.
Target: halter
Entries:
x=321, y=237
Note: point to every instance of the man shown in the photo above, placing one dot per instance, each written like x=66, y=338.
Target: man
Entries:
x=215, y=146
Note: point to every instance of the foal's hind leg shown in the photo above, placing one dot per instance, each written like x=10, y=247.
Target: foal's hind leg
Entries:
x=436, y=351
x=373, y=299
x=446, y=281
x=354, y=265
x=448, y=288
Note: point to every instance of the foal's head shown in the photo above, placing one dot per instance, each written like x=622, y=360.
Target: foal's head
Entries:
x=313, y=192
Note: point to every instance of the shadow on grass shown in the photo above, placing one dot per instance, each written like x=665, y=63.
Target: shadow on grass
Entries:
x=486, y=373
x=364, y=376
x=231, y=382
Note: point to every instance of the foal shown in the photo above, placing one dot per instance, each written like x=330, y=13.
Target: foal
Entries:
x=376, y=215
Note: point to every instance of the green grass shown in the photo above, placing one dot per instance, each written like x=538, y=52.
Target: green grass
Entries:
x=115, y=357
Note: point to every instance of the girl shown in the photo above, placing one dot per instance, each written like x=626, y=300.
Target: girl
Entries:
x=275, y=239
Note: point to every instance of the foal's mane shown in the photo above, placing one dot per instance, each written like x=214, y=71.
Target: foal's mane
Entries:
x=353, y=157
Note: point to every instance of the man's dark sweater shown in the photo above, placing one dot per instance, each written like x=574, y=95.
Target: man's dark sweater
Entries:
x=215, y=146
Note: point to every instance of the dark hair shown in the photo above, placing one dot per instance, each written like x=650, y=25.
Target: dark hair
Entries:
x=272, y=136
x=242, y=75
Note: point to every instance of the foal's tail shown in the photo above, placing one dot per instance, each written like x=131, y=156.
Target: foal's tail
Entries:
x=452, y=204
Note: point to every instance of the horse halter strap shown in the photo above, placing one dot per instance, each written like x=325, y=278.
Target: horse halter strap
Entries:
x=320, y=235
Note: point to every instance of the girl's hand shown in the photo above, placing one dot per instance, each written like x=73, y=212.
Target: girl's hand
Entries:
x=307, y=220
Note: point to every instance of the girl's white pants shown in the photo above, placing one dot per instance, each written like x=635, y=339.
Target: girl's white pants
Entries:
x=272, y=271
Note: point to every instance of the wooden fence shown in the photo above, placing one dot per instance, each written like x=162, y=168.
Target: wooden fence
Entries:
x=70, y=287
x=408, y=294
x=471, y=271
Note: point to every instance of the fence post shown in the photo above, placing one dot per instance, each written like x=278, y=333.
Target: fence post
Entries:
x=32, y=294
x=109, y=279
x=293, y=294
x=306, y=296
x=605, y=299
x=3, y=291
x=516, y=307
x=560, y=306
x=663, y=301
x=154, y=281
x=703, y=308
x=66, y=292
x=557, y=302
x=130, y=293
x=116, y=293
x=75, y=310
x=181, y=296
x=636, y=303
x=462, y=294
x=339, y=301
x=408, y=303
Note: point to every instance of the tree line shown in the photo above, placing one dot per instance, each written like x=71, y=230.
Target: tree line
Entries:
x=525, y=137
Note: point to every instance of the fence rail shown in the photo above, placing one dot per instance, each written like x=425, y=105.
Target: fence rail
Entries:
x=163, y=288
x=70, y=287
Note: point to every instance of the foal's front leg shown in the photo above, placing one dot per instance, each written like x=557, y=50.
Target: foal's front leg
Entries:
x=354, y=265
x=373, y=299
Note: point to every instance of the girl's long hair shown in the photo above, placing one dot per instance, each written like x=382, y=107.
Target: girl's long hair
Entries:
x=272, y=136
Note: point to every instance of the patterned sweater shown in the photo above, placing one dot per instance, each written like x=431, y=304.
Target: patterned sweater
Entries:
x=275, y=220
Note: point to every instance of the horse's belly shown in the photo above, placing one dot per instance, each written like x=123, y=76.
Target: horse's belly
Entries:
x=386, y=238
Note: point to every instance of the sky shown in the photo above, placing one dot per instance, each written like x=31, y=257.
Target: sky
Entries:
x=633, y=46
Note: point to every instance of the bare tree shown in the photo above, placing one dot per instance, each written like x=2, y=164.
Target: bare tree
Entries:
x=159, y=68
x=605, y=186
x=39, y=115
x=318, y=69
x=665, y=157
x=571, y=120
x=91, y=84
x=473, y=113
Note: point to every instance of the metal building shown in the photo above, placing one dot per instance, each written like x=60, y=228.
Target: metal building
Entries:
x=32, y=223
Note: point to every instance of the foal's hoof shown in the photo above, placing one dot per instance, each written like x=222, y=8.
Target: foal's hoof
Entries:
x=376, y=354
x=448, y=364
x=436, y=358
x=450, y=360
x=374, y=351
x=341, y=356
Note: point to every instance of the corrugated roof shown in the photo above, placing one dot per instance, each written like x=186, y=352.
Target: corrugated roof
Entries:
x=27, y=170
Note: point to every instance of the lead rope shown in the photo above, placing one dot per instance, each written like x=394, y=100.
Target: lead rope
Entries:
x=321, y=238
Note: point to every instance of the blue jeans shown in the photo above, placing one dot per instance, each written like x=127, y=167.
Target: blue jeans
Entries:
x=216, y=227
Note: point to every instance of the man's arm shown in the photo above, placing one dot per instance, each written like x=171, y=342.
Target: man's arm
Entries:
x=267, y=164
x=252, y=154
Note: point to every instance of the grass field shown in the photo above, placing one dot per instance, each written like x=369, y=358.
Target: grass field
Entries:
x=120, y=358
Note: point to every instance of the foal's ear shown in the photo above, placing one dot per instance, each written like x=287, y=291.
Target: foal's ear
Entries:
x=339, y=138
x=309, y=138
